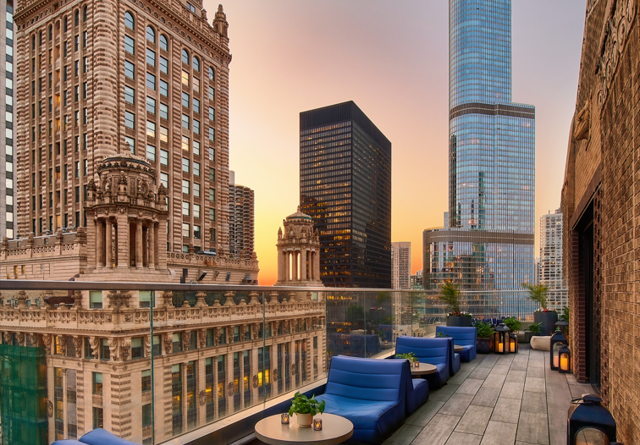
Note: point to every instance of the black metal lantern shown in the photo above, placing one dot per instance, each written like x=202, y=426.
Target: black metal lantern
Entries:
x=501, y=339
x=589, y=422
x=513, y=342
x=565, y=359
x=563, y=326
x=558, y=340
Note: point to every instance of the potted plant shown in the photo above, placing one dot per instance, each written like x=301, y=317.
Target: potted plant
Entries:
x=305, y=408
x=450, y=295
x=513, y=323
x=534, y=330
x=408, y=356
x=548, y=318
x=484, y=332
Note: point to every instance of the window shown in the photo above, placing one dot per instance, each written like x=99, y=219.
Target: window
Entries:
x=212, y=113
x=185, y=100
x=186, y=208
x=212, y=134
x=196, y=211
x=185, y=143
x=151, y=57
x=186, y=187
x=146, y=415
x=164, y=157
x=95, y=299
x=164, y=110
x=212, y=214
x=97, y=418
x=196, y=64
x=212, y=174
x=164, y=88
x=97, y=383
x=151, y=34
x=77, y=169
x=212, y=73
x=212, y=194
x=185, y=78
x=144, y=298
x=136, y=348
x=130, y=95
x=129, y=69
x=185, y=122
x=132, y=144
x=196, y=126
x=129, y=120
x=164, y=180
x=196, y=84
x=186, y=230
x=84, y=39
x=129, y=45
x=164, y=43
x=164, y=65
x=212, y=154
x=151, y=81
x=196, y=105
x=197, y=232
x=196, y=148
x=128, y=20
x=151, y=152
x=196, y=189
x=191, y=7
x=185, y=165
x=151, y=105
x=185, y=56
x=164, y=134
x=146, y=377
x=151, y=129
x=196, y=169
x=84, y=15
x=212, y=93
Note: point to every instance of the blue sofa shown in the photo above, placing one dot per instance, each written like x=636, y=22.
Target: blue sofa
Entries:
x=465, y=337
x=429, y=350
x=372, y=394
x=455, y=357
x=95, y=437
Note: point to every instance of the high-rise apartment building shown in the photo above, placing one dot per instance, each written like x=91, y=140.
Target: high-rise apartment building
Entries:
x=7, y=146
x=100, y=79
x=241, y=220
x=345, y=186
x=401, y=265
x=489, y=239
x=551, y=260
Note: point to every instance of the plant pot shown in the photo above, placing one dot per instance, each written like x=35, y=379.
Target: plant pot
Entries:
x=527, y=337
x=548, y=320
x=483, y=346
x=304, y=420
x=459, y=321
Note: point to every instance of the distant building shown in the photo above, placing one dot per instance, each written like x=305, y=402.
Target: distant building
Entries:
x=551, y=260
x=345, y=186
x=7, y=110
x=401, y=265
x=416, y=280
x=241, y=220
x=537, y=261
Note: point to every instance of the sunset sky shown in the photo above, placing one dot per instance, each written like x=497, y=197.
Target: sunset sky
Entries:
x=391, y=58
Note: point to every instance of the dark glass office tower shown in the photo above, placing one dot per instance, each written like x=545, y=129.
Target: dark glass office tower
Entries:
x=345, y=186
x=488, y=240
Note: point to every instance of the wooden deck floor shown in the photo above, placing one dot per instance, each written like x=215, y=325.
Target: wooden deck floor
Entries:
x=496, y=400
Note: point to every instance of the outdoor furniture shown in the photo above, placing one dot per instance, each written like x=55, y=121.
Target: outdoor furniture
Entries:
x=455, y=357
x=98, y=436
x=458, y=348
x=540, y=342
x=335, y=430
x=465, y=337
x=372, y=394
x=435, y=351
x=424, y=368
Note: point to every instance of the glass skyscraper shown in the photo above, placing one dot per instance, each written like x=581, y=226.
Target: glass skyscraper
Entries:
x=489, y=241
x=345, y=186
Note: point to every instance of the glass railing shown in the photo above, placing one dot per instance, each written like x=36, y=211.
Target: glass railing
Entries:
x=152, y=362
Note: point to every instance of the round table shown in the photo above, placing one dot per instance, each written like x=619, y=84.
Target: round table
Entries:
x=425, y=368
x=458, y=348
x=335, y=430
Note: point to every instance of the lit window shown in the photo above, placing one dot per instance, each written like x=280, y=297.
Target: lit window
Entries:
x=164, y=134
x=196, y=84
x=185, y=78
x=185, y=143
x=186, y=230
x=151, y=129
x=196, y=211
x=197, y=231
x=211, y=73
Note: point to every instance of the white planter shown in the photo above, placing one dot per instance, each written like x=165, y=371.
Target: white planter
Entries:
x=304, y=420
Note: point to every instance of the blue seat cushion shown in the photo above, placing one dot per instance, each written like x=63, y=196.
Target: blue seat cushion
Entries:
x=468, y=353
x=100, y=436
x=418, y=396
x=67, y=442
x=456, y=363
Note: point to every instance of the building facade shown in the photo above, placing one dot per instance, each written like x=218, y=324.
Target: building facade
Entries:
x=550, y=267
x=600, y=221
x=400, y=265
x=488, y=241
x=345, y=186
x=7, y=110
x=416, y=280
x=241, y=220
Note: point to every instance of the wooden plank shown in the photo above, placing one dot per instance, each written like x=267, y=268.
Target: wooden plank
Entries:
x=506, y=410
x=425, y=413
x=475, y=420
x=499, y=433
x=486, y=397
x=437, y=431
x=456, y=405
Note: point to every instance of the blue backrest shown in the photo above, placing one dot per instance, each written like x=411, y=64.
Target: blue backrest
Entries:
x=461, y=336
x=103, y=437
x=368, y=379
x=428, y=350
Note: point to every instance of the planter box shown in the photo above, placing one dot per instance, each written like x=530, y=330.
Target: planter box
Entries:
x=459, y=321
x=548, y=320
x=483, y=346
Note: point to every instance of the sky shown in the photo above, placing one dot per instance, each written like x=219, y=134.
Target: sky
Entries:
x=391, y=59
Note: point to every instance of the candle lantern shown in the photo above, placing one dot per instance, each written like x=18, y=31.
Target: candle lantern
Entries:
x=513, y=342
x=565, y=359
x=416, y=364
x=501, y=339
x=284, y=418
x=589, y=422
x=558, y=340
x=317, y=424
x=563, y=326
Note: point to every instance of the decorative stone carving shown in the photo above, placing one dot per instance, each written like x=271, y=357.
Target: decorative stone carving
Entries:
x=94, y=342
x=273, y=297
x=118, y=299
x=229, y=335
x=216, y=336
x=49, y=409
x=255, y=329
x=167, y=298
x=20, y=337
x=22, y=300
x=147, y=345
x=168, y=342
x=229, y=299
x=255, y=381
x=243, y=332
x=32, y=338
x=77, y=299
x=62, y=344
x=77, y=345
x=230, y=390
x=186, y=340
x=254, y=298
x=201, y=299
x=202, y=340
x=202, y=398
x=582, y=124
x=125, y=348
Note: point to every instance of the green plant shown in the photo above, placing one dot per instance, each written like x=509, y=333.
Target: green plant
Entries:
x=538, y=293
x=408, y=356
x=512, y=323
x=535, y=328
x=450, y=295
x=442, y=335
x=301, y=404
x=484, y=329
x=565, y=314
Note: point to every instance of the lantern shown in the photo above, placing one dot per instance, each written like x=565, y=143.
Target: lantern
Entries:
x=565, y=359
x=317, y=424
x=416, y=364
x=284, y=418
x=563, y=326
x=501, y=339
x=558, y=340
x=589, y=422
x=513, y=342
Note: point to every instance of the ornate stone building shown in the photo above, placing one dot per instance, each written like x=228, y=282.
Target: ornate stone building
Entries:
x=599, y=207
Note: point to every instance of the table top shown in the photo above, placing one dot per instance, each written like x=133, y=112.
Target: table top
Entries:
x=425, y=368
x=458, y=348
x=335, y=430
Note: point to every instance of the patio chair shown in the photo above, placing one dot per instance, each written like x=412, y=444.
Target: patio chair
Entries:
x=463, y=336
x=429, y=350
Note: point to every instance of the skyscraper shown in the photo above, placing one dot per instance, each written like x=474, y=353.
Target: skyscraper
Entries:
x=489, y=241
x=345, y=186
x=241, y=220
x=551, y=259
x=7, y=168
x=401, y=265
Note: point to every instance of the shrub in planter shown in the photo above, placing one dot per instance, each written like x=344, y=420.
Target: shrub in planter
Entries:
x=484, y=331
x=534, y=330
x=305, y=408
x=548, y=318
x=513, y=323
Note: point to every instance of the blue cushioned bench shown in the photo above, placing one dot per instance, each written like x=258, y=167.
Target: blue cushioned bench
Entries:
x=429, y=350
x=95, y=437
x=455, y=357
x=465, y=337
x=372, y=394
